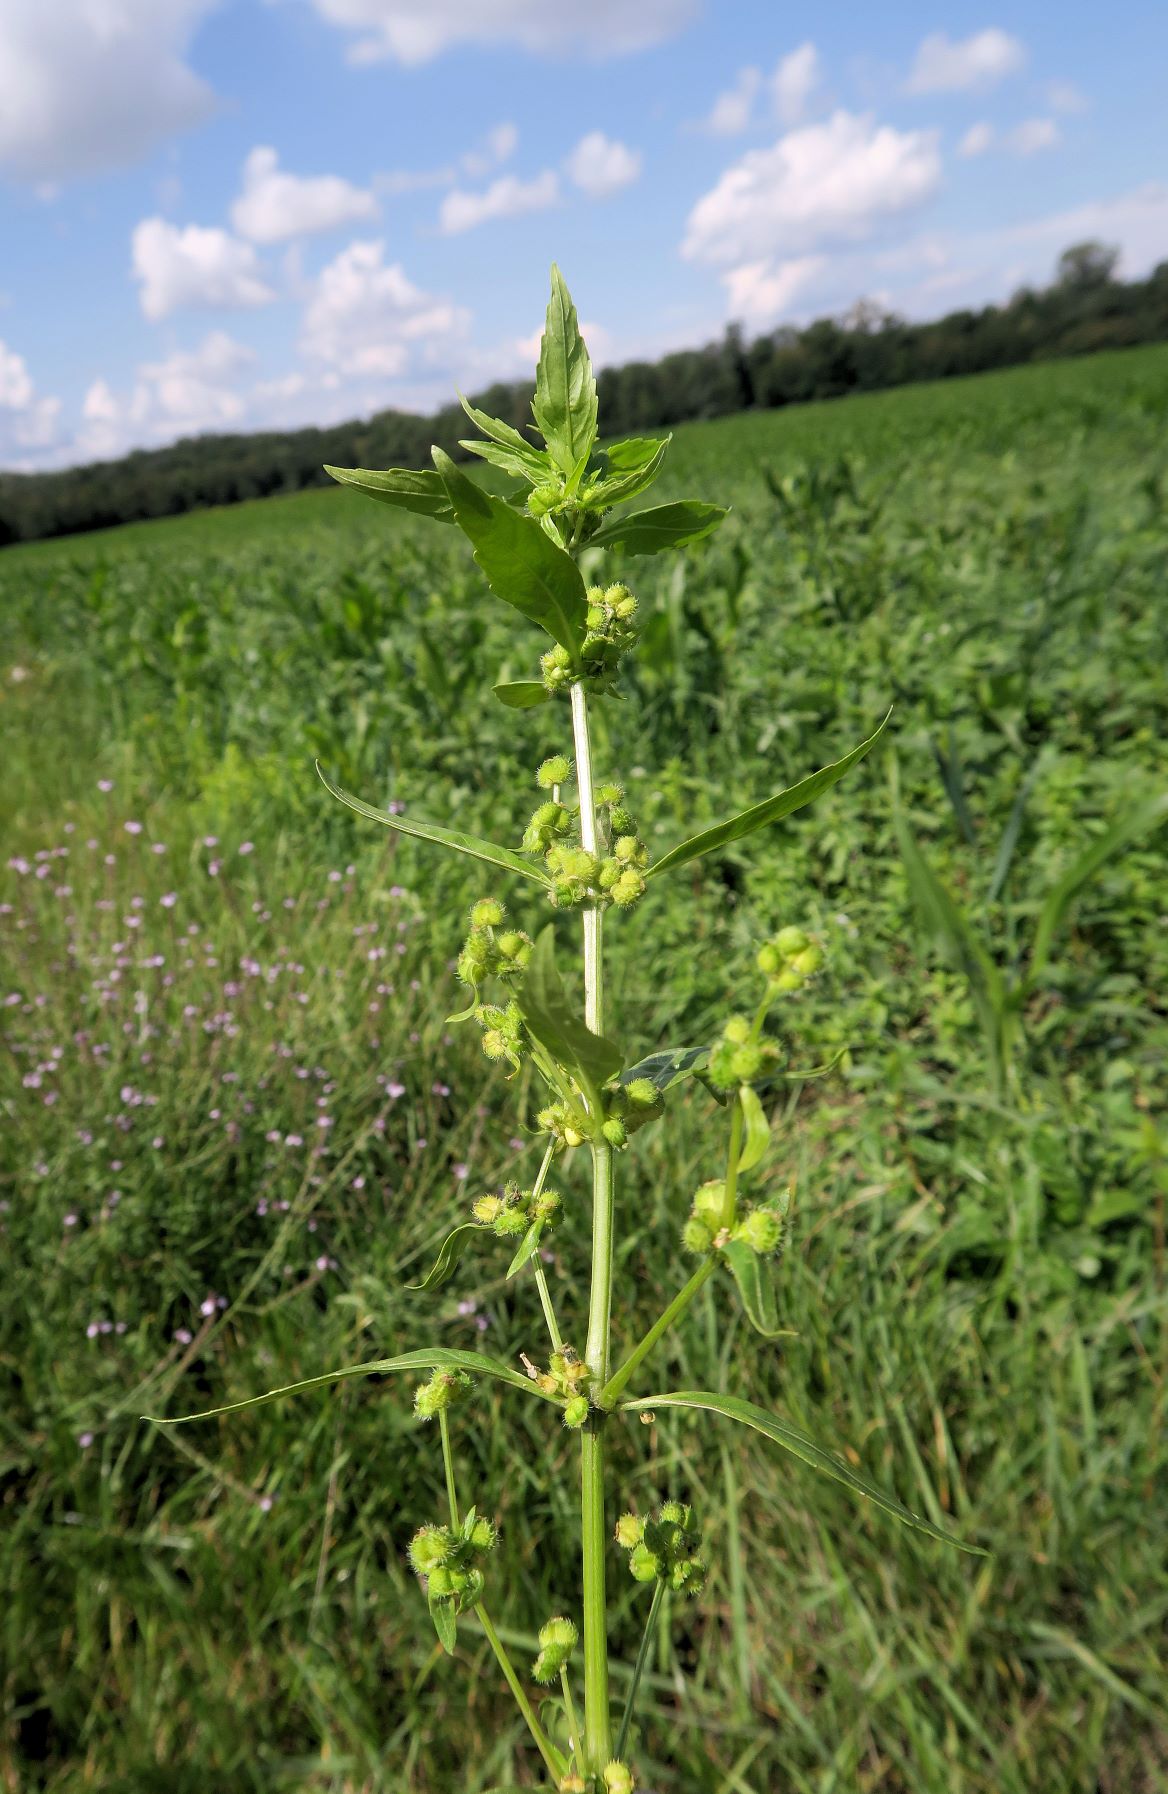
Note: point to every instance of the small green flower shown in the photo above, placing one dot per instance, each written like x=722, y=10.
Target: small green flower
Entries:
x=445, y=1388
x=554, y=771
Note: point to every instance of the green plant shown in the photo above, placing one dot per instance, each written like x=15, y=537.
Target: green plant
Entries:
x=585, y=853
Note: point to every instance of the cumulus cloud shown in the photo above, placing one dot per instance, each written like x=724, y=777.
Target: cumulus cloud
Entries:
x=27, y=420
x=974, y=63
x=415, y=31
x=86, y=86
x=365, y=317
x=793, y=83
x=1025, y=139
x=508, y=197
x=1064, y=96
x=274, y=206
x=731, y=112
x=759, y=292
x=600, y=166
x=189, y=392
x=827, y=182
x=193, y=266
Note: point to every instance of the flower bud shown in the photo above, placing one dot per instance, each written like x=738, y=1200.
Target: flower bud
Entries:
x=572, y=1135
x=486, y=913
x=809, y=960
x=618, y=1778
x=514, y=945
x=594, y=616
x=486, y=1210
x=546, y=1206
x=696, y=1236
x=557, y=1641
x=761, y=1230
x=595, y=597
x=629, y=887
x=576, y=1411
x=626, y=848
x=615, y=1132
x=440, y=1584
x=430, y=1547
x=482, y=1535
x=542, y=499
x=720, y=1070
x=770, y=960
x=677, y=1513
x=608, y=794
x=790, y=979
x=790, y=941
x=610, y=871
x=573, y=1784
x=553, y=772
x=688, y=1576
x=709, y=1200
x=442, y=1391
x=737, y=1030
x=644, y=1565
x=509, y=1223
x=747, y=1061
x=642, y=1092
x=622, y=820
x=629, y=1531
x=496, y=1045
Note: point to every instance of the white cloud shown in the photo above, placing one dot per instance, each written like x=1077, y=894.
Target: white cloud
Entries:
x=759, y=292
x=974, y=63
x=189, y=392
x=498, y=147
x=275, y=206
x=1032, y=135
x=508, y=197
x=365, y=317
x=26, y=420
x=195, y=266
x=977, y=140
x=731, y=112
x=826, y=182
x=1064, y=96
x=87, y=85
x=1025, y=139
x=415, y=31
x=793, y=83
x=601, y=166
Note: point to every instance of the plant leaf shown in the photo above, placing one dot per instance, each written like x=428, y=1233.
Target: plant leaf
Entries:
x=445, y=1623
x=758, y=1130
x=410, y=489
x=1138, y=820
x=633, y=454
x=428, y=1358
x=770, y=810
x=477, y=849
x=451, y=1250
x=617, y=485
x=506, y=436
x=522, y=694
x=948, y=924
x=755, y=1281
x=663, y=526
x=667, y=1068
x=536, y=473
x=527, y=1247
x=522, y=564
x=565, y=404
x=802, y=1446
x=545, y=1008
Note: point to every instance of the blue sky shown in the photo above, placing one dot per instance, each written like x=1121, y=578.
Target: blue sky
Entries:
x=235, y=214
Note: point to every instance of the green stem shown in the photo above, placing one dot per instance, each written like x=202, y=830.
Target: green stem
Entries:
x=515, y=1685
x=574, y=1734
x=642, y=1655
x=734, y=1153
x=676, y=1309
x=448, y=1462
x=545, y=1298
x=594, y=1535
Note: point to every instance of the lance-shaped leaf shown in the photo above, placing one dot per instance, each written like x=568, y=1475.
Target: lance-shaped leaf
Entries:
x=772, y=809
x=662, y=526
x=548, y=1014
x=451, y=1250
x=527, y=1247
x=428, y=1358
x=800, y=1445
x=667, y=1068
x=522, y=694
x=755, y=1279
x=409, y=489
x=445, y=1622
x=522, y=564
x=530, y=463
x=1138, y=819
x=472, y=845
x=757, y=1133
x=617, y=485
x=564, y=405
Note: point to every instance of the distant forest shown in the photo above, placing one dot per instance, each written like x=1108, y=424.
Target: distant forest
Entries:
x=1084, y=309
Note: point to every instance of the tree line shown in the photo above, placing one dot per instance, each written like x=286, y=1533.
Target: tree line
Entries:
x=1085, y=308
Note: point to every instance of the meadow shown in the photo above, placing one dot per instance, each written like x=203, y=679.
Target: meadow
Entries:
x=237, y=1122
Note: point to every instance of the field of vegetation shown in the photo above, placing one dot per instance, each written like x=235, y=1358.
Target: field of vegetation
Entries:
x=236, y=1121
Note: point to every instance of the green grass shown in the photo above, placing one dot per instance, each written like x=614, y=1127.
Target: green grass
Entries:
x=977, y=1289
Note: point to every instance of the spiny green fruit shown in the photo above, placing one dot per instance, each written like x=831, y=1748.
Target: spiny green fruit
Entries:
x=618, y=1778
x=709, y=1199
x=737, y=1030
x=554, y=771
x=629, y=1531
x=761, y=1230
x=444, y=1389
x=644, y=1565
x=486, y=1210
x=488, y=912
x=696, y=1236
x=430, y=1547
x=790, y=941
x=576, y=1411
x=809, y=960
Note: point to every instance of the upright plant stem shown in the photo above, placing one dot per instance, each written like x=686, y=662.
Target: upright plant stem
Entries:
x=594, y=1533
x=638, y=1669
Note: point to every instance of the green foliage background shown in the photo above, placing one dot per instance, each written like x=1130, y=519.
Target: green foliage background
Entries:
x=978, y=1288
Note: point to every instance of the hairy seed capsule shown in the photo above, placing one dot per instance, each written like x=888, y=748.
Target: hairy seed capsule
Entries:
x=790, y=941
x=761, y=1230
x=430, y=1547
x=486, y=1210
x=770, y=960
x=790, y=979
x=558, y=1635
x=554, y=771
x=618, y=1778
x=629, y=1531
x=696, y=1236
x=644, y=1565
x=709, y=1199
x=747, y=1061
x=737, y=1029
x=576, y=1411
x=809, y=960
x=615, y=1132
x=642, y=1092
x=486, y=913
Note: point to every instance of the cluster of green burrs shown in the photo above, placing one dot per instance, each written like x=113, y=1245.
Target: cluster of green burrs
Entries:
x=611, y=633
x=665, y=1547
x=614, y=874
